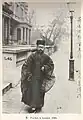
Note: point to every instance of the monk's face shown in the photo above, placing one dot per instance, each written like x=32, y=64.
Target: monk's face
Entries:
x=40, y=48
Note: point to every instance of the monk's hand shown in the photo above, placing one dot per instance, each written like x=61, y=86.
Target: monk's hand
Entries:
x=42, y=68
x=29, y=77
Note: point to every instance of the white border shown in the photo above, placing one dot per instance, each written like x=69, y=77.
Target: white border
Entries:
x=59, y=116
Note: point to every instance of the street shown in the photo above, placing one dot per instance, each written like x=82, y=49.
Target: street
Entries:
x=64, y=97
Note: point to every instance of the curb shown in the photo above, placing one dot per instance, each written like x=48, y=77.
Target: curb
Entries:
x=6, y=88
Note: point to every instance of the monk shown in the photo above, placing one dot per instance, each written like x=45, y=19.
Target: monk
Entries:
x=36, y=78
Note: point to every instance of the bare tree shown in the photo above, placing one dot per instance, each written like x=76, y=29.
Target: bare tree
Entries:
x=54, y=30
x=30, y=16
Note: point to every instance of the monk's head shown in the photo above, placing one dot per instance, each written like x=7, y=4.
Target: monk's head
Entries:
x=40, y=45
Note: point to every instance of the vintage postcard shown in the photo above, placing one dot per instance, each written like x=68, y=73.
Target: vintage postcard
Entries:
x=41, y=60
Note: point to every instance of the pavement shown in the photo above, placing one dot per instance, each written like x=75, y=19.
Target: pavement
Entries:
x=64, y=96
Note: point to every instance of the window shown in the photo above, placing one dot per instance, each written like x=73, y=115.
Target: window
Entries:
x=11, y=28
x=26, y=33
x=18, y=34
x=23, y=32
x=17, y=8
x=21, y=12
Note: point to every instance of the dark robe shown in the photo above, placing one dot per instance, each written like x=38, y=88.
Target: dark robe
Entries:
x=34, y=81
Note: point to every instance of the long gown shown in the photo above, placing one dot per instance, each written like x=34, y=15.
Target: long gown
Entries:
x=32, y=90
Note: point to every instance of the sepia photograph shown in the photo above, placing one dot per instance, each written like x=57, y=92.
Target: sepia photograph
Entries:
x=41, y=57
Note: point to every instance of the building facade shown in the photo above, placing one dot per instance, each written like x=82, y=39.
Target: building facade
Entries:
x=16, y=28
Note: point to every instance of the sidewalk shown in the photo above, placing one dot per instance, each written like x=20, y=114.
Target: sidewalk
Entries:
x=62, y=98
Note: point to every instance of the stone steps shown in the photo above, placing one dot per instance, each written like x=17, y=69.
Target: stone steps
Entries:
x=6, y=87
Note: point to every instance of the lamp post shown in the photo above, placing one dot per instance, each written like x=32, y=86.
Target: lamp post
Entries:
x=71, y=60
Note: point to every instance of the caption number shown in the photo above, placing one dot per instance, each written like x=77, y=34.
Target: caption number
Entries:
x=26, y=118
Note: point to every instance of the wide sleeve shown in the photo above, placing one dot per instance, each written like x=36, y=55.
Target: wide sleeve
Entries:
x=26, y=73
x=49, y=66
x=49, y=80
x=26, y=68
